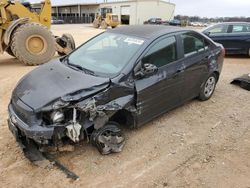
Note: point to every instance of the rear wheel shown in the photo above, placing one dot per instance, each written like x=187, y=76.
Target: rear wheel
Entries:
x=33, y=44
x=208, y=88
x=108, y=139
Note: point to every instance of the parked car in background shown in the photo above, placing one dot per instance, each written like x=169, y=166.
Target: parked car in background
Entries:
x=175, y=23
x=125, y=76
x=199, y=24
x=156, y=21
x=55, y=20
x=234, y=36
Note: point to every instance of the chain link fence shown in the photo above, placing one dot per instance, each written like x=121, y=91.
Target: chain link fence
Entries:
x=75, y=19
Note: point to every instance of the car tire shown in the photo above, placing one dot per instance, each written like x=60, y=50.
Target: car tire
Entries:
x=108, y=139
x=208, y=87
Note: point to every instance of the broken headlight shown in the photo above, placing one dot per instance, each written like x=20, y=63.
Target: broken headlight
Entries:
x=59, y=104
x=57, y=116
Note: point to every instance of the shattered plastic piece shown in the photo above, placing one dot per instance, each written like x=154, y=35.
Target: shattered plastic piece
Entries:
x=64, y=169
x=73, y=131
x=88, y=106
x=243, y=82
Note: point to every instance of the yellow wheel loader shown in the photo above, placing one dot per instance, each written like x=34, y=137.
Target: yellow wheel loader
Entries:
x=106, y=19
x=26, y=35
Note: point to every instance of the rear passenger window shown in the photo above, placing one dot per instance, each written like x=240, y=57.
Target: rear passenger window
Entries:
x=248, y=28
x=162, y=53
x=192, y=44
x=240, y=28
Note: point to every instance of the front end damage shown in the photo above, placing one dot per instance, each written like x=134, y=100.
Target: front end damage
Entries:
x=68, y=121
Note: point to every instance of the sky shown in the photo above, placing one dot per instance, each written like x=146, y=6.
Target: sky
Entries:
x=202, y=8
x=212, y=8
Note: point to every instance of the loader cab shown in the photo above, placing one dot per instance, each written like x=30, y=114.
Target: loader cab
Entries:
x=27, y=5
x=105, y=11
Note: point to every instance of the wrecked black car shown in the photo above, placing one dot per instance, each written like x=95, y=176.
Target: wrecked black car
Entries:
x=125, y=76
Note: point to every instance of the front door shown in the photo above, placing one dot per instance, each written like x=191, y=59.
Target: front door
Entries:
x=219, y=33
x=160, y=92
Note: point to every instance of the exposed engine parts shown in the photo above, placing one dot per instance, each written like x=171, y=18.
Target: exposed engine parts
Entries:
x=88, y=120
x=74, y=129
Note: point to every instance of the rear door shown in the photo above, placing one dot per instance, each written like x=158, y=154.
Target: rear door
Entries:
x=239, y=38
x=160, y=92
x=196, y=54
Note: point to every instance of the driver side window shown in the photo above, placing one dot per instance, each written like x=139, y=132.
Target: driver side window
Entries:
x=218, y=29
x=162, y=53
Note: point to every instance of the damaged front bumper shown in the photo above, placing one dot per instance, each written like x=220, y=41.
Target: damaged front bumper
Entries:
x=27, y=145
x=35, y=132
x=27, y=136
x=31, y=151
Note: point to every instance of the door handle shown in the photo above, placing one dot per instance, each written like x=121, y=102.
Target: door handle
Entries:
x=178, y=72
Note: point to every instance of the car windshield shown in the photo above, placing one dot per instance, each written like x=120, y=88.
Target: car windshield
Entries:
x=105, y=55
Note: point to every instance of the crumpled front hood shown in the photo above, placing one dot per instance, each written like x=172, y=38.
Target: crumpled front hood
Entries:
x=53, y=81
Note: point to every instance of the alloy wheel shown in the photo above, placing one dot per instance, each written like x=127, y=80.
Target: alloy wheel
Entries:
x=209, y=86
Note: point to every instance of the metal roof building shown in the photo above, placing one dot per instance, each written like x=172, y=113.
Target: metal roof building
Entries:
x=129, y=11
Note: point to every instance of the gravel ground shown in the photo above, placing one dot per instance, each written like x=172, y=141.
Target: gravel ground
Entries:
x=201, y=144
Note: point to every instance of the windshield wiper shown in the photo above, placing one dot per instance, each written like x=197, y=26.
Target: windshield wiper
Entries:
x=78, y=67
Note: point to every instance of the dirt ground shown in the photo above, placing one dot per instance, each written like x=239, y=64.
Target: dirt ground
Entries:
x=201, y=144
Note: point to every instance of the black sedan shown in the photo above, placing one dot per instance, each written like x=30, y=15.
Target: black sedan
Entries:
x=175, y=23
x=126, y=76
x=55, y=20
x=234, y=36
x=154, y=21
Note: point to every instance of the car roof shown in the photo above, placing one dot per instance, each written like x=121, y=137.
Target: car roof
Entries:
x=224, y=23
x=230, y=23
x=235, y=23
x=146, y=31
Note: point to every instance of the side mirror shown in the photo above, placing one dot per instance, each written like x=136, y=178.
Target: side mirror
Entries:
x=146, y=70
x=207, y=33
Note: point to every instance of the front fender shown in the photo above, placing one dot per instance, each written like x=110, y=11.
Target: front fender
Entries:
x=11, y=28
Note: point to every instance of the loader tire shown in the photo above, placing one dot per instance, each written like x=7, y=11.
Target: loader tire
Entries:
x=104, y=25
x=96, y=23
x=69, y=43
x=9, y=51
x=33, y=44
